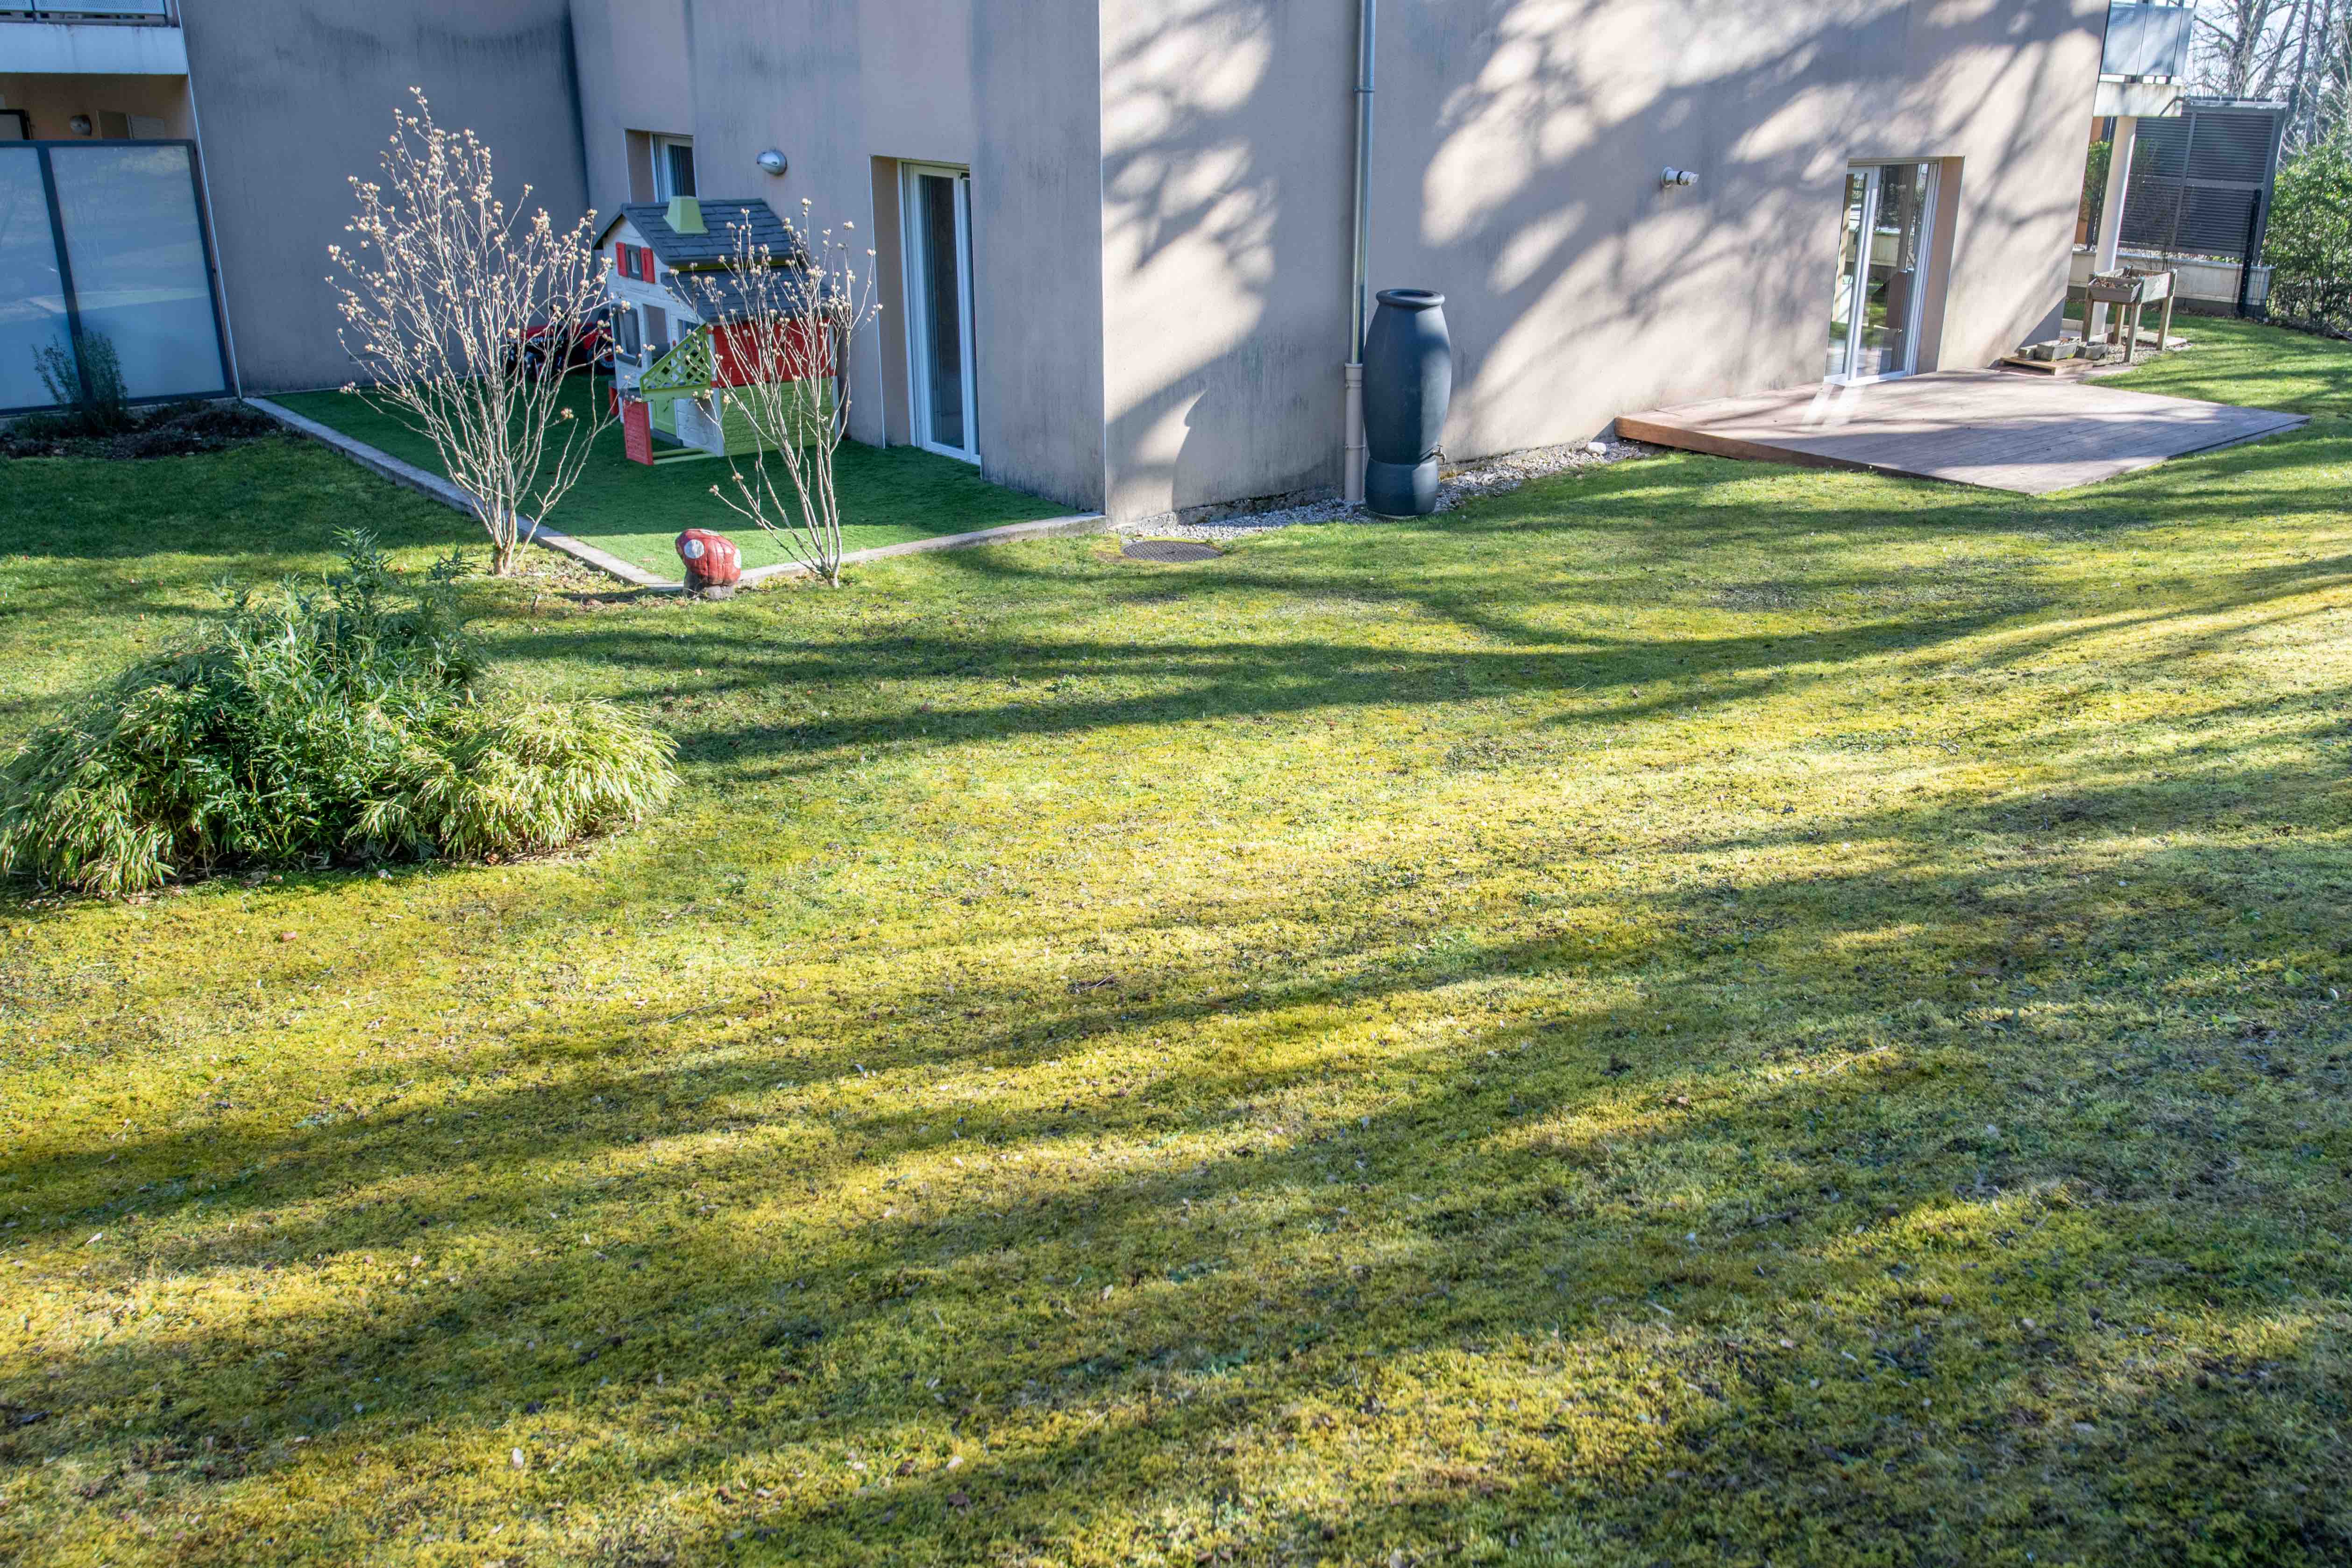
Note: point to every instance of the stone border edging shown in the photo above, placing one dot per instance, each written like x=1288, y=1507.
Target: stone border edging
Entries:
x=449, y=495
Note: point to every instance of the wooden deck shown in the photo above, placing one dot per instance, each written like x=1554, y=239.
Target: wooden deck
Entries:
x=2032, y=434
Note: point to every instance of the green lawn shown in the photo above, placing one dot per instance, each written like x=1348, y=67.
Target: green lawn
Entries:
x=1696, y=1013
x=888, y=495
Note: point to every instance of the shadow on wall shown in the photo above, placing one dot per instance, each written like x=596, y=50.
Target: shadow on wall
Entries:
x=1576, y=288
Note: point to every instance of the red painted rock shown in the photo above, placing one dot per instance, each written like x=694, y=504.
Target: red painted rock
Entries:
x=712, y=559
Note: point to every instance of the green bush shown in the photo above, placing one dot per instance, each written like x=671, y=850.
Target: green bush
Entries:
x=2094, y=187
x=344, y=722
x=2310, y=241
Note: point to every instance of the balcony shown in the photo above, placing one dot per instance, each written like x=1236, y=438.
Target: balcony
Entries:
x=2145, y=61
x=92, y=38
x=2147, y=41
x=105, y=13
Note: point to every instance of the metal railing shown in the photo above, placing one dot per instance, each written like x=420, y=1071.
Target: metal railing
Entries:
x=136, y=13
x=2147, y=40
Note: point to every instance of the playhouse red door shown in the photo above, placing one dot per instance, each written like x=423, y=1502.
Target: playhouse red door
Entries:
x=637, y=430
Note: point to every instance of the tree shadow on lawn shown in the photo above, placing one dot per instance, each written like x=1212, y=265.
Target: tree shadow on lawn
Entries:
x=1618, y=679
x=1558, y=1189
x=1915, y=842
x=1498, y=1323
x=1962, y=918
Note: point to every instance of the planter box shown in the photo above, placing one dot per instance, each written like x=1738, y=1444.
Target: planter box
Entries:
x=2212, y=282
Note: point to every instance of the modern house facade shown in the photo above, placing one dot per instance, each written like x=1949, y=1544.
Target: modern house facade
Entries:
x=1117, y=238
x=274, y=104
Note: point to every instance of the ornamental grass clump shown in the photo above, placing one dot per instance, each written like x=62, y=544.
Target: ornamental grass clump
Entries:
x=315, y=724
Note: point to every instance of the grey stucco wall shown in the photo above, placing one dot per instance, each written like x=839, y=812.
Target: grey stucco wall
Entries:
x=292, y=97
x=1037, y=248
x=837, y=87
x=632, y=77
x=1516, y=154
x=1227, y=170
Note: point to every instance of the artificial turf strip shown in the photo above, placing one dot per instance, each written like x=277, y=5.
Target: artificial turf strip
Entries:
x=888, y=495
x=1696, y=1013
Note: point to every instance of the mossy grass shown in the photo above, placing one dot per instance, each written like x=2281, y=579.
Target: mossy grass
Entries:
x=888, y=495
x=1694, y=1013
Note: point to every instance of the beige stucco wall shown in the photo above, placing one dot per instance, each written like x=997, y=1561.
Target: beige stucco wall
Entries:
x=292, y=97
x=1516, y=156
x=1161, y=203
x=835, y=86
x=1226, y=210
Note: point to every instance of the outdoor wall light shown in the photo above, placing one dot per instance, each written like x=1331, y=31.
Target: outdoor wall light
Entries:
x=1671, y=177
x=773, y=161
x=80, y=124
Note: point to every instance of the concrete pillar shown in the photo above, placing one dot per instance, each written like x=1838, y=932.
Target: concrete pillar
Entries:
x=2110, y=236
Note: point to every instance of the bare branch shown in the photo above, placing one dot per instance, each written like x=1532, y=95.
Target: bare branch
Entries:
x=462, y=318
x=782, y=327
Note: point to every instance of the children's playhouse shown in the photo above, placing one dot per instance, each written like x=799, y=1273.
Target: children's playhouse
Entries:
x=685, y=341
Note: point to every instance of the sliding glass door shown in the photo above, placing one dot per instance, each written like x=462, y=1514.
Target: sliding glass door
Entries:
x=1882, y=265
x=106, y=285
x=936, y=219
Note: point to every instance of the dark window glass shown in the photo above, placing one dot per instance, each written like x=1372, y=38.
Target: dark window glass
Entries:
x=32, y=298
x=942, y=309
x=136, y=245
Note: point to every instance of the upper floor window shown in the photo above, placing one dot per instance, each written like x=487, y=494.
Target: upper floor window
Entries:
x=673, y=167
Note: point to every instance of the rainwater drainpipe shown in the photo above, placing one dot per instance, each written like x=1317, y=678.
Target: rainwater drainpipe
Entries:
x=1351, y=464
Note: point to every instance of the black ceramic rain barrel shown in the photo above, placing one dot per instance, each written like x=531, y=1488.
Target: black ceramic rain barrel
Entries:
x=1408, y=380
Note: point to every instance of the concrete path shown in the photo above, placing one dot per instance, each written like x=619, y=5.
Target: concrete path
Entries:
x=449, y=495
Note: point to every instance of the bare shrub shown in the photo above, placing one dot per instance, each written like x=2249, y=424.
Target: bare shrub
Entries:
x=440, y=293
x=782, y=329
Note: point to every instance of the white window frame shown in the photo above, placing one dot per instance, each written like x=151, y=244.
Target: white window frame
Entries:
x=918, y=317
x=661, y=145
x=1932, y=202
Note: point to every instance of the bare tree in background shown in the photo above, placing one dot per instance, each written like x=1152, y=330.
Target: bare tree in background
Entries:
x=442, y=295
x=2327, y=97
x=782, y=330
x=2243, y=43
x=2298, y=52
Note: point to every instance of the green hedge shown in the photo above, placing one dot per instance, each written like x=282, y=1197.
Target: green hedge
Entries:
x=2310, y=243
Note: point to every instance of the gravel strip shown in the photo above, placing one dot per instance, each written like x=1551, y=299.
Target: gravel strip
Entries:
x=1484, y=476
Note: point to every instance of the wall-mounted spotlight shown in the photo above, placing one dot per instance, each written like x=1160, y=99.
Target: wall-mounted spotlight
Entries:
x=773, y=161
x=1671, y=177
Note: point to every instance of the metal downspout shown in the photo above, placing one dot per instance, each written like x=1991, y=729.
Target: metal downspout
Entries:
x=1351, y=464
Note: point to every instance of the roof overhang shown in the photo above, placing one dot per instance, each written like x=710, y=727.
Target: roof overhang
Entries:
x=93, y=48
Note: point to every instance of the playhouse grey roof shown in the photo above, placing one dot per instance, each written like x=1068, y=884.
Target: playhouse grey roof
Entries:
x=721, y=217
x=718, y=296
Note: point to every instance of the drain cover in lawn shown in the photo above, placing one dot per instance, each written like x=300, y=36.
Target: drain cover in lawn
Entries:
x=1169, y=551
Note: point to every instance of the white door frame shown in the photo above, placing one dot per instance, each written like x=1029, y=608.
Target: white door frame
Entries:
x=911, y=273
x=1929, y=202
